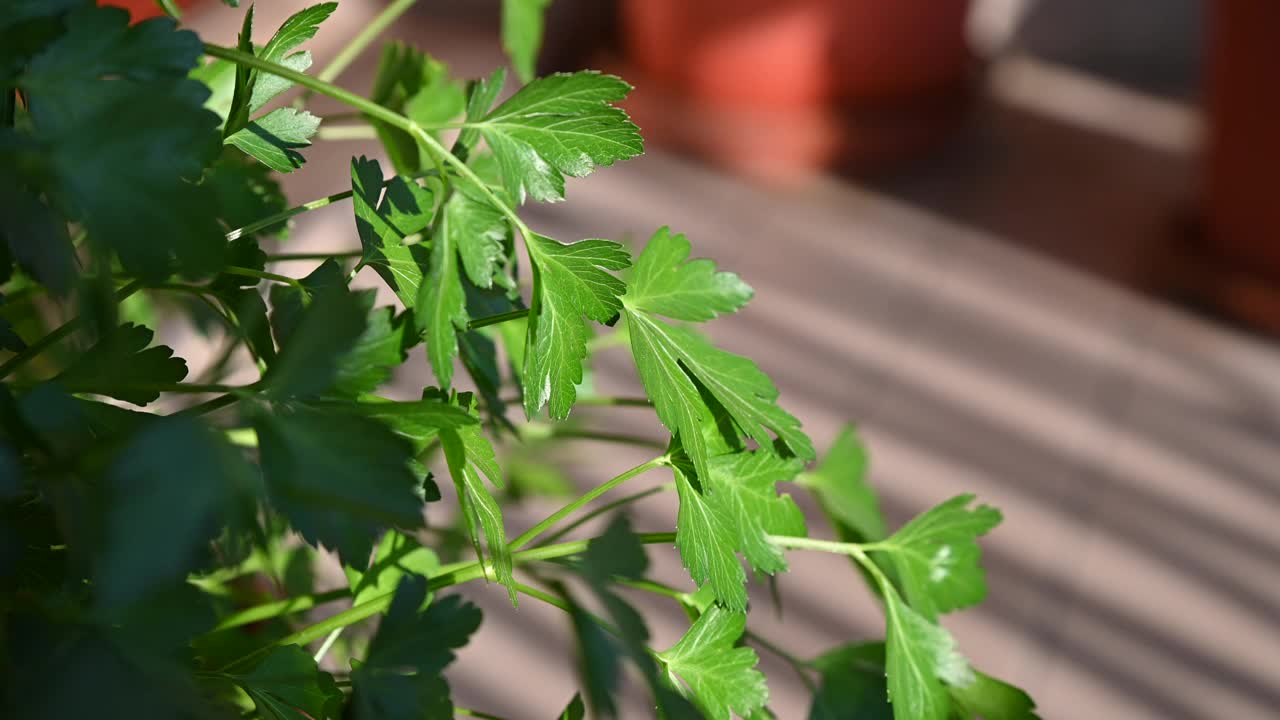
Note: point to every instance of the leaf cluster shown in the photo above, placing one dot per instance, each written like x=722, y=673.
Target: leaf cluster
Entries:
x=163, y=518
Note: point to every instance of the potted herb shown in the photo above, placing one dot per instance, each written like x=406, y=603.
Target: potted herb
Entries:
x=158, y=528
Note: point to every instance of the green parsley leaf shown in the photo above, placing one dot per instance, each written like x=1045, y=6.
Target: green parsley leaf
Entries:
x=120, y=365
x=404, y=211
x=414, y=84
x=246, y=191
x=274, y=138
x=559, y=125
x=839, y=482
x=522, y=24
x=721, y=678
x=157, y=530
x=418, y=421
x=400, y=677
x=575, y=710
x=340, y=478
x=473, y=231
x=736, y=508
x=469, y=455
x=570, y=283
x=381, y=347
x=920, y=657
x=853, y=684
x=396, y=556
x=287, y=685
x=937, y=556
x=313, y=350
x=991, y=699
x=36, y=238
x=300, y=27
x=676, y=363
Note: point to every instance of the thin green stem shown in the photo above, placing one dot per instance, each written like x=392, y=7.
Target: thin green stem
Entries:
x=529, y=535
x=619, y=438
x=327, y=644
x=446, y=576
x=497, y=319
x=362, y=39
x=262, y=275
x=190, y=388
x=270, y=610
x=616, y=401
x=346, y=132
x=59, y=334
x=283, y=215
x=607, y=507
x=475, y=713
x=801, y=667
x=374, y=110
x=285, y=257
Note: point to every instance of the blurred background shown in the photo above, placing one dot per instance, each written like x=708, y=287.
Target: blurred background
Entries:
x=1028, y=246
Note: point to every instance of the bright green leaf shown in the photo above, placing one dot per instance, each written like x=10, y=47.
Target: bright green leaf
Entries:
x=287, y=685
x=676, y=364
x=396, y=556
x=571, y=283
x=274, y=138
x=522, y=24
x=721, y=678
x=937, y=557
x=120, y=365
x=990, y=699
x=840, y=484
x=559, y=125
x=404, y=212
x=733, y=511
x=418, y=421
x=919, y=658
x=297, y=29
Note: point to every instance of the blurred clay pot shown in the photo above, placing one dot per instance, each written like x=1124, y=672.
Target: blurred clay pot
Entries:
x=785, y=87
x=140, y=10
x=1241, y=212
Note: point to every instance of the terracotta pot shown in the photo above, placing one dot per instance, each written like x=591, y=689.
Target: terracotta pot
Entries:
x=1242, y=215
x=140, y=10
x=794, y=85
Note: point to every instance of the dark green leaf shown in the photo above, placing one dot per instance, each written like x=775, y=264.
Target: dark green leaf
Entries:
x=123, y=129
x=720, y=677
x=936, y=556
x=287, y=685
x=401, y=676
x=120, y=365
x=522, y=22
x=574, y=710
x=314, y=347
x=559, y=125
x=419, y=421
x=379, y=349
x=167, y=495
x=36, y=239
x=853, y=684
x=340, y=478
x=571, y=284
x=274, y=138
x=246, y=192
